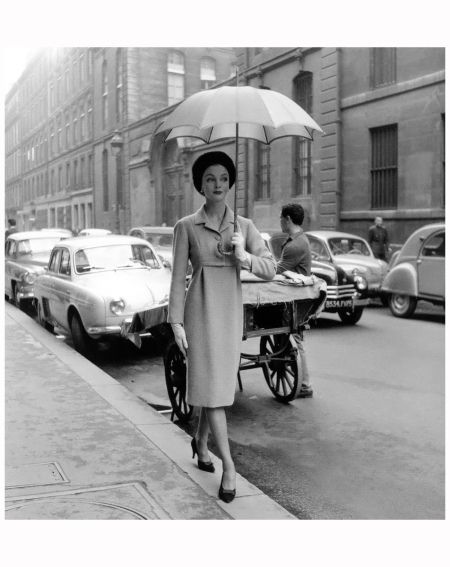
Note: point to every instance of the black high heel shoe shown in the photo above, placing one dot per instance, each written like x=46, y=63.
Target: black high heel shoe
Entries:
x=202, y=465
x=226, y=495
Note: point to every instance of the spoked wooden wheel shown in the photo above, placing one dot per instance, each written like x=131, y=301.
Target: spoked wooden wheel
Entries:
x=282, y=370
x=175, y=369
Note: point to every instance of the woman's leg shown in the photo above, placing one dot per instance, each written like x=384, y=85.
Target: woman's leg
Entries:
x=202, y=435
x=218, y=425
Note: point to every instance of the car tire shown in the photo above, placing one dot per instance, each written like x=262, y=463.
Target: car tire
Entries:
x=402, y=305
x=81, y=340
x=350, y=316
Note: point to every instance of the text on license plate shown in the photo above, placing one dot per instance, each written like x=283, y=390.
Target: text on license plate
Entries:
x=339, y=303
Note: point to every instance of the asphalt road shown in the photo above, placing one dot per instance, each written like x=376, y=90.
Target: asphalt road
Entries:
x=368, y=445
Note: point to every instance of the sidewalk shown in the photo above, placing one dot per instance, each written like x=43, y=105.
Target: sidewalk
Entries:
x=81, y=446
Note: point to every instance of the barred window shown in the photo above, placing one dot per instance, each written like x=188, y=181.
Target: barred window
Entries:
x=302, y=147
x=384, y=167
x=207, y=72
x=175, y=77
x=383, y=66
x=262, y=171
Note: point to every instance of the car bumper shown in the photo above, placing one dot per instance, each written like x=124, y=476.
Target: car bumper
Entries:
x=108, y=329
x=25, y=293
x=338, y=301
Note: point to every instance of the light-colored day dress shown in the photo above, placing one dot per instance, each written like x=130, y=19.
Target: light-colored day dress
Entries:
x=211, y=310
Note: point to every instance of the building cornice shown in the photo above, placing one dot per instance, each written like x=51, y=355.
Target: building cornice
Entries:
x=392, y=90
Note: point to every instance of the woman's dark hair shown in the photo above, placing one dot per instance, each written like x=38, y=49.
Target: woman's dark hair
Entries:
x=295, y=211
x=212, y=158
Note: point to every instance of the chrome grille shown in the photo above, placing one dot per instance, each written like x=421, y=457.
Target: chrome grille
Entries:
x=340, y=291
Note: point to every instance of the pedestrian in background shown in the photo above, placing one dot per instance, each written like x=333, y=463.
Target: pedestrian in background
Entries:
x=11, y=228
x=296, y=257
x=207, y=320
x=379, y=239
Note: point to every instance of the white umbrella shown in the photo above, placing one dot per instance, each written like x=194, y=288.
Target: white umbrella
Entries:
x=240, y=111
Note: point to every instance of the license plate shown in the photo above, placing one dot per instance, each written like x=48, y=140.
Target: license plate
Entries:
x=339, y=304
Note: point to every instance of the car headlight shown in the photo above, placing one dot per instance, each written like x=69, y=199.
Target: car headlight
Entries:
x=361, y=283
x=117, y=306
x=29, y=278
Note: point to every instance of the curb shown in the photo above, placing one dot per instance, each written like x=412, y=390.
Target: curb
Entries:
x=250, y=503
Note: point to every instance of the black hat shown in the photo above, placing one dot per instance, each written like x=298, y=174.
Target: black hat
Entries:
x=212, y=158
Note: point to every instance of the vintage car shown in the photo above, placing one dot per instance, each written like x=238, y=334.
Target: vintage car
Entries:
x=26, y=254
x=160, y=237
x=417, y=271
x=346, y=293
x=95, y=284
x=351, y=253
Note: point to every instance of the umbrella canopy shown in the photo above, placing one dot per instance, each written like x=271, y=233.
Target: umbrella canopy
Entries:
x=258, y=114
x=248, y=112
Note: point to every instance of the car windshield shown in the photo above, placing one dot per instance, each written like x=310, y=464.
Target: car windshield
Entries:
x=115, y=257
x=34, y=246
x=159, y=240
x=341, y=245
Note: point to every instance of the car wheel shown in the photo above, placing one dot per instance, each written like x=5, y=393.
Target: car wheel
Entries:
x=402, y=305
x=350, y=316
x=81, y=340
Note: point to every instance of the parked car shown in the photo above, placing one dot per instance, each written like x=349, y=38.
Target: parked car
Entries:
x=26, y=254
x=160, y=237
x=68, y=233
x=351, y=253
x=346, y=293
x=417, y=271
x=93, y=285
x=94, y=232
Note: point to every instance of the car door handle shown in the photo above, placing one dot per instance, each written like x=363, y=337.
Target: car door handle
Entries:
x=419, y=261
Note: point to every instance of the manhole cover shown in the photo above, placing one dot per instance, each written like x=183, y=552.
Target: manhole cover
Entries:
x=34, y=474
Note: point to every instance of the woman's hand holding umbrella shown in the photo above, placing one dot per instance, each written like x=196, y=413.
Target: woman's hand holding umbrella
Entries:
x=237, y=240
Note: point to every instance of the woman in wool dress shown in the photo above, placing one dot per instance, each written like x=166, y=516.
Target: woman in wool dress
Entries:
x=207, y=320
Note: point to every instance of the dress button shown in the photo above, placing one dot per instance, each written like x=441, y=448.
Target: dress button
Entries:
x=218, y=238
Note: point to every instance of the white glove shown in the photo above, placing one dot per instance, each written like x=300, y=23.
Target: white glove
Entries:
x=180, y=337
x=237, y=240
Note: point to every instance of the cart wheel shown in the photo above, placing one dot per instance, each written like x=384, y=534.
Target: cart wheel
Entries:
x=175, y=369
x=282, y=371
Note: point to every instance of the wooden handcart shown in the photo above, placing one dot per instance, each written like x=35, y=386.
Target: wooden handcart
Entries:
x=272, y=312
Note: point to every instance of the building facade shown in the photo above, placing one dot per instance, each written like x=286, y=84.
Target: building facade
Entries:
x=68, y=156
x=80, y=149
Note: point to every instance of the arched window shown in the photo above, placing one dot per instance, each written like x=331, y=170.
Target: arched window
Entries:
x=105, y=180
x=301, y=146
x=119, y=84
x=207, y=72
x=175, y=77
x=104, y=95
